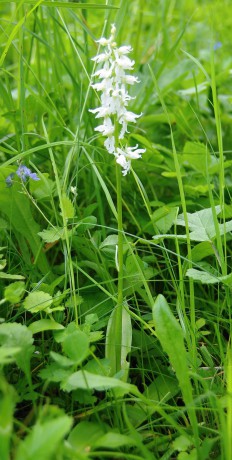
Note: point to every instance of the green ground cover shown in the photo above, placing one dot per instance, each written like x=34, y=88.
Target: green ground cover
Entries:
x=115, y=328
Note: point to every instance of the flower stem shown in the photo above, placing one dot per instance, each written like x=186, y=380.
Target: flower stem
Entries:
x=119, y=306
x=118, y=317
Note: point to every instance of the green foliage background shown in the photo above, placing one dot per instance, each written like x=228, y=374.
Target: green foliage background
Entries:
x=58, y=279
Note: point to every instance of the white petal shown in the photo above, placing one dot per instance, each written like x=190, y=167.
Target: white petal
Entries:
x=102, y=112
x=121, y=160
x=110, y=144
x=107, y=129
x=103, y=41
x=130, y=79
x=125, y=62
x=101, y=58
x=103, y=73
x=99, y=86
x=123, y=129
x=124, y=49
x=131, y=117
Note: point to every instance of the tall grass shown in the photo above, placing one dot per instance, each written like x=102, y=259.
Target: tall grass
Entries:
x=60, y=397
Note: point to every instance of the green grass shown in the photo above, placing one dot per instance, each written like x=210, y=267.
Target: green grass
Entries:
x=80, y=379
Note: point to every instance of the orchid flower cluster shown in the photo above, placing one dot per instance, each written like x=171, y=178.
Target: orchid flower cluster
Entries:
x=115, y=98
x=23, y=172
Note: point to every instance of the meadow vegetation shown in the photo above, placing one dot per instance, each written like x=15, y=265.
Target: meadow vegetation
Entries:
x=115, y=321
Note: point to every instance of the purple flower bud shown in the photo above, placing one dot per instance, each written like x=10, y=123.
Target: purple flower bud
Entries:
x=9, y=180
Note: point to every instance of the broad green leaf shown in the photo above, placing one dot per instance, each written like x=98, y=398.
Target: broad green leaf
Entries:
x=202, y=250
x=171, y=338
x=163, y=388
x=208, y=278
x=111, y=347
x=86, y=223
x=50, y=235
x=164, y=218
x=197, y=156
x=44, y=439
x=2, y=264
x=110, y=240
x=44, y=325
x=196, y=190
x=14, y=292
x=42, y=189
x=38, y=301
x=181, y=443
x=84, y=435
x=15, y=205
x=54, y=373
x=8, y=399
x=76, y=346
x=135, y=273
x=62, y=360
x=114, y=441
x=67, y=207
x=201, y=224
x=14, y=335
x=88, y=381
x=7, y=354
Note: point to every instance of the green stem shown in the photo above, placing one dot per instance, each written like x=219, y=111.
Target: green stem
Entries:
x=118, y=317
x=119, y=262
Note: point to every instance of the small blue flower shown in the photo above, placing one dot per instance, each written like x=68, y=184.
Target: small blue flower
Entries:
x=9, y=180
x=24, y=172
x=217, y=45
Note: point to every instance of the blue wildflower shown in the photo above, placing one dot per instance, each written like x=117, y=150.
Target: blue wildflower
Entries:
x=9, y=180
x=24, y=172
x=217, y=45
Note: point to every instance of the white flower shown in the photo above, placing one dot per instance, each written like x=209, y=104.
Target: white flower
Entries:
x=73, y=190
x=122, y=161
x=115, y=99
x=125, y=156
x=107, y=129
x=132, y=153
